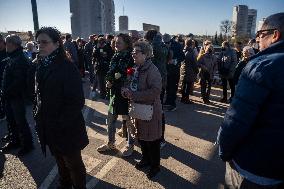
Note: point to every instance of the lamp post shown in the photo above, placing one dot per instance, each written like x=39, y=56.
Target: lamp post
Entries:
x=35, y=16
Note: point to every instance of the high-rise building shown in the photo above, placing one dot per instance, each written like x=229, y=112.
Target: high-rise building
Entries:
x=251, y=25
x=123, y=23
x=91, y=17
x=244, y=20
x=109, y=16
x=240, y=18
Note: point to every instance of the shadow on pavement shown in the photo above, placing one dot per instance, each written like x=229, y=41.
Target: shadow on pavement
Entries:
x=2, y=163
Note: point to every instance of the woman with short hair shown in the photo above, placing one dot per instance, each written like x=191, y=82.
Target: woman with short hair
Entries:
x=145, y=87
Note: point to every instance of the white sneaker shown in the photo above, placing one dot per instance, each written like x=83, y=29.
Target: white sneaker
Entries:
x=120, y=132
x=106, y=147
x=127, y=150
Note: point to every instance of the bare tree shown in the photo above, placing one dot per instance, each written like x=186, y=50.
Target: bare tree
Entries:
x=226, y=27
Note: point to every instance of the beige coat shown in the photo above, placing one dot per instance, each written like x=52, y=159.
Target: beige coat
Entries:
x=149, y=89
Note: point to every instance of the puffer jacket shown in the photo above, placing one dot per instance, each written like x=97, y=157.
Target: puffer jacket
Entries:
x=252, y=131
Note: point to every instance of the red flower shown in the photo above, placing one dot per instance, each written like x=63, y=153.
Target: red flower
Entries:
x=130, y=71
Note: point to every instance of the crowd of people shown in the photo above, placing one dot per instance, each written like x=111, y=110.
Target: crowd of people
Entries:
x=140, y=77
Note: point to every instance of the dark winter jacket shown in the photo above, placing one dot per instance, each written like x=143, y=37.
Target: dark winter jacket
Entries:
x=227, y=61
x=178, y=56
x=253, y=130
x=160, y=52
x=119, y=64
x=14, y=82
x=101, y=58
x=188, y=69
x=3, y=63
x=58, y=113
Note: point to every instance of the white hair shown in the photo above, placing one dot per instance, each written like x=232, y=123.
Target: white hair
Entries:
x=249, y=49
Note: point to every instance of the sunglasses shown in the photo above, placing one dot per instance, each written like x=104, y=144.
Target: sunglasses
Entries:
x=261, y=33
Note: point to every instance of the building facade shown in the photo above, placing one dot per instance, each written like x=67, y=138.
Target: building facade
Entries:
x=91, y=17
x=244, y=20
x=123, y=23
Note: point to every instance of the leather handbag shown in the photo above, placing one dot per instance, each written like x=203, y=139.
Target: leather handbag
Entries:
x=141, y=111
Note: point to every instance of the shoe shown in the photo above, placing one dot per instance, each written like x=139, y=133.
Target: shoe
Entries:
x=153, y=172
x=162, y=144
x=25, y=150
x=10, y=146
x=6, y=138
x=127, y=151
x=120, y=132
x=171, y=109
x=106, y=147
x=141, y=164
x=186, y=101
x=206, y=101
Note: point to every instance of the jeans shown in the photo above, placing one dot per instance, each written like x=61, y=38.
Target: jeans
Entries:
x=111, y=120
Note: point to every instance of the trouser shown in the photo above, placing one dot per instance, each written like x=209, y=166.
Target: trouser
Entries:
x=91, y=71
x=18, y=124
x=172, y=87
x=71, y=170
x=205, y=87
x=163, y=115
x=187, y=88
x=232, y=86
x=151, y=152
x=102, y=83
x=233, y=180
x=111, y=120
x=2, y=105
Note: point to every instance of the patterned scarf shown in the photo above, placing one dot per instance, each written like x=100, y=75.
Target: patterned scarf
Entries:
x=46, y=61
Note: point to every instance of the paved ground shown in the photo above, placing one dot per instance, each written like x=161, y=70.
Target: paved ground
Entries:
x=189, y=160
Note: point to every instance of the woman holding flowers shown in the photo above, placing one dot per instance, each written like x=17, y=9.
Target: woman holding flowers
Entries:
x=115, y=80
x=144, y=88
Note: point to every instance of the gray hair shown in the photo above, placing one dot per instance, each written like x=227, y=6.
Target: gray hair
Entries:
x=14, y=39
x=249, y=49
x=275, y=21
x=145, y=47
x=29, y=43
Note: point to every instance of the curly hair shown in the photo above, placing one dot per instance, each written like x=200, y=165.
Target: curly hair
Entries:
x=127, y=40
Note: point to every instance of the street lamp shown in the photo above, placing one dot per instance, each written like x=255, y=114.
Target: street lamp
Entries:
x=35, y=16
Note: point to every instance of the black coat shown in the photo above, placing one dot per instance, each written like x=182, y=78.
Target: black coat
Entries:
x=119, y=64
x=14, y=82
x=60, y=99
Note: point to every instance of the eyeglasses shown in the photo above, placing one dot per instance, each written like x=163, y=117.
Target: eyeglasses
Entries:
x=260, y=34
x=136, y=52
x=43, y=42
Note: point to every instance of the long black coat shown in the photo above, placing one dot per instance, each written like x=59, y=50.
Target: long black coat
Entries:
x=60, y=100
